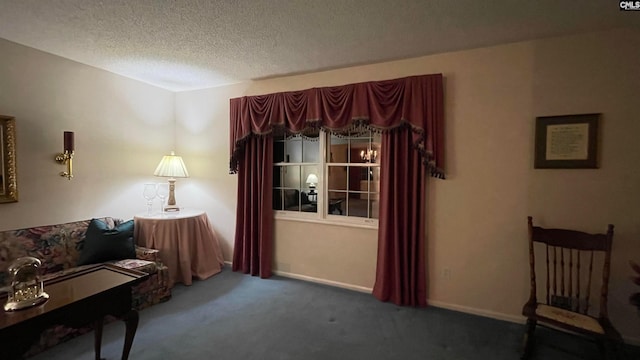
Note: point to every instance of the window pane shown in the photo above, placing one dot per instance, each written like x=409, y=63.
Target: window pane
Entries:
x=369, y=182
x=307, y=202
x=337, y=179
x=294, y=150
x=278, y=200
x=311, y=150
x=338, y=149
x=296, y=200
x=356, y=206
x=278, y=176
x=354, y=148
x=291, y=199
x=337, y=202
x=278, y=151
x=291, y=176
x=362, y=207
x=310, y=181
x=359, y=150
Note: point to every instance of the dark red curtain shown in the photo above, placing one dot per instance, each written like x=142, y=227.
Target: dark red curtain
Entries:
x=409, y=114
x=414, y=101
x=252, y=250
x=400, y=272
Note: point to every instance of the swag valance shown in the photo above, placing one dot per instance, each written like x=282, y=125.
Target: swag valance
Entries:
x=415, y=102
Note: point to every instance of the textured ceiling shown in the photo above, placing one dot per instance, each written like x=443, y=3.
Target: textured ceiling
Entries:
x=191, y=44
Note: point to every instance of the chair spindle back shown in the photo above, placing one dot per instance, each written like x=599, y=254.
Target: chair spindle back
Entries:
x=568, y=278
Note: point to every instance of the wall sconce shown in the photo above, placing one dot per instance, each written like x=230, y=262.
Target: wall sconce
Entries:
x=67, y=156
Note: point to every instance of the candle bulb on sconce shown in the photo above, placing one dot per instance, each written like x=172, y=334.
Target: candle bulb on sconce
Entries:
x=68, y=141
x=67, y=156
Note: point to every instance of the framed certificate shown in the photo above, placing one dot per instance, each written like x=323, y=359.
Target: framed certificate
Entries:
x=567, y=142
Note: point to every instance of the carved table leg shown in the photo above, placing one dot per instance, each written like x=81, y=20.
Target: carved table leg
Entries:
x=131, y=322
x=97, y=326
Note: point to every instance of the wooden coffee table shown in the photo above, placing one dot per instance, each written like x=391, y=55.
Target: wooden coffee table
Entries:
x=75, y=300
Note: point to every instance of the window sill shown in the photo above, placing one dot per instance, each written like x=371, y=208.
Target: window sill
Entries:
x=370, y=224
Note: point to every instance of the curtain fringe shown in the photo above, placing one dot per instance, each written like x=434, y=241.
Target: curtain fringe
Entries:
x=357, y=125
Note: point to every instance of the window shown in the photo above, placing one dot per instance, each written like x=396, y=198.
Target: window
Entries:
x=295, y=159
x=353, y=169
x=344, y=184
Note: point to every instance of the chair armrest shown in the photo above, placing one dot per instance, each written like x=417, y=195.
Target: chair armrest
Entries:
x=144, y=253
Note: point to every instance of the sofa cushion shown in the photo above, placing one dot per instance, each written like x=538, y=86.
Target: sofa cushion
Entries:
x=103, y=243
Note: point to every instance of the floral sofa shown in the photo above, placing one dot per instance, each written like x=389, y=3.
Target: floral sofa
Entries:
x=59, y=247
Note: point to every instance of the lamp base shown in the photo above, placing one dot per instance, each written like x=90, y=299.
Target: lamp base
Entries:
x=171, y=208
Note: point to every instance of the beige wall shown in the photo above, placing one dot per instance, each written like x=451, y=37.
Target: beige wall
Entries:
x=477, y=217
x=122, y=128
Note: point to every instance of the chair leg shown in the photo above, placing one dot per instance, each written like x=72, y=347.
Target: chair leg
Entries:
x=528, y=339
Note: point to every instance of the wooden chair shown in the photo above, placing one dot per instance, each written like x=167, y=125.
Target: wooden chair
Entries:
x=569, y=259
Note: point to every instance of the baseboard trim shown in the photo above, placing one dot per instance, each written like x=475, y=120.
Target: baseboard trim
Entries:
x=479, y=312
x=324, y=281
x=440, y=304
x=501, y=316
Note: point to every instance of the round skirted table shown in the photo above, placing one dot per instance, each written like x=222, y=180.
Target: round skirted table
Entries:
x=187, y=243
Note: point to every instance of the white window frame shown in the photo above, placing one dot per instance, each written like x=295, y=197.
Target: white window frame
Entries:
x=322, y=193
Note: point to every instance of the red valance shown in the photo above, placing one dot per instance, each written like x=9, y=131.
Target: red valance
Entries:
x=415, y=101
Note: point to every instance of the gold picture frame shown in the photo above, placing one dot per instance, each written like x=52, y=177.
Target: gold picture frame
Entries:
x=8, y=171
x=567, y=142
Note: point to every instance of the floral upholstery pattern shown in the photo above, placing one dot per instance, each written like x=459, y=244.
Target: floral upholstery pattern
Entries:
x=141, y=265
x=55, y=245
x=59, y=247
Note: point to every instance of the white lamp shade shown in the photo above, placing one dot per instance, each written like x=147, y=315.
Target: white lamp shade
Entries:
x=171, y=166
x=312, y=179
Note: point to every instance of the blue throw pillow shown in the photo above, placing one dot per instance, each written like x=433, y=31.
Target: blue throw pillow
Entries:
x=103, y=244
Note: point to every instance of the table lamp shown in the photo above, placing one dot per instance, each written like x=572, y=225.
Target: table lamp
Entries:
x=312, y=180
x=171, y=166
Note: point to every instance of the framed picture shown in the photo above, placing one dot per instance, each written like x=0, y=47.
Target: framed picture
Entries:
x=567, y=142
x=8, y=180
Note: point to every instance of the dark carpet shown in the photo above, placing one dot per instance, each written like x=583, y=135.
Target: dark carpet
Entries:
x=235, y=316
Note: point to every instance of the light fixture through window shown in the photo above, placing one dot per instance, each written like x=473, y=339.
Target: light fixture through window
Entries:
x=369, y=155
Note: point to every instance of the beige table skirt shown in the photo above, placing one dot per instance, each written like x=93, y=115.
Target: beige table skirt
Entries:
x=187, y=242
